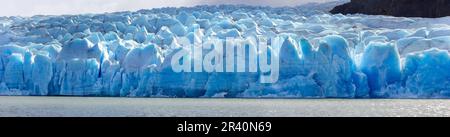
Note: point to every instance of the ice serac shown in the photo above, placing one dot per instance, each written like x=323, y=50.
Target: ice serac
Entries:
x=167, y=81
x=290, y=59
x=42, y=74
x=139, y=65
x=381, y=64
x=426, y=73
x=13, y=76
x=336, y=73
x=78, y=70
x=417, y=44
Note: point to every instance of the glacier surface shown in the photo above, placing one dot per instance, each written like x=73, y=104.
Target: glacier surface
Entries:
x=321, y=55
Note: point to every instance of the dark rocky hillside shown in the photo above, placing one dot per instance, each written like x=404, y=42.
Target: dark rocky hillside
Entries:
x=399, y=8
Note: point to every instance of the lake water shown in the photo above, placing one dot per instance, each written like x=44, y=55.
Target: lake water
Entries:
x=169, y=107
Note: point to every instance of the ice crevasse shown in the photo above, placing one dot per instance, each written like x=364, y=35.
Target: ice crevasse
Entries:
x=320, y=55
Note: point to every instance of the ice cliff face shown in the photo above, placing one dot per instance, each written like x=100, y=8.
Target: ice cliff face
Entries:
x=320, y=55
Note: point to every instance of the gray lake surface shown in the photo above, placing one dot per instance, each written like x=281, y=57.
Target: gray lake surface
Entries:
x=26, y=106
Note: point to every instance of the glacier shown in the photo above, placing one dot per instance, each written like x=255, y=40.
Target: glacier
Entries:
x=321, y=55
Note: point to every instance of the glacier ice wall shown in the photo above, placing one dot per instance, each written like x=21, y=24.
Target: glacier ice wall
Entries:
x=321, y=55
